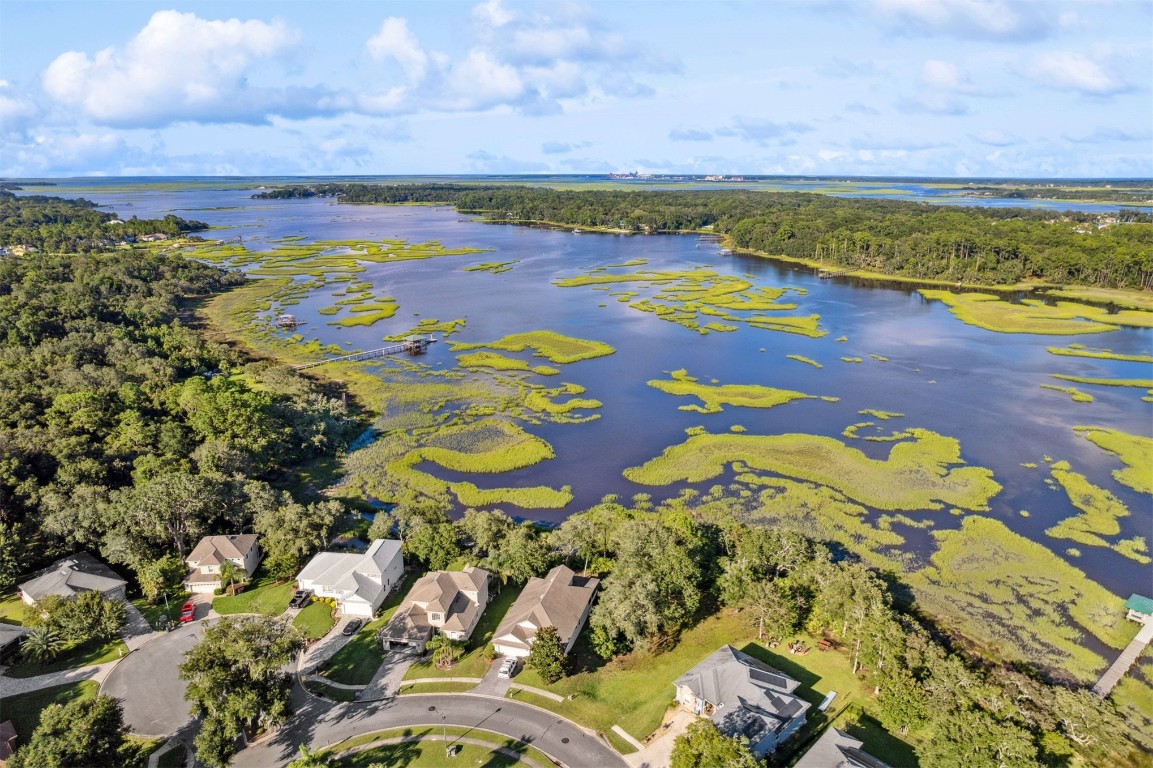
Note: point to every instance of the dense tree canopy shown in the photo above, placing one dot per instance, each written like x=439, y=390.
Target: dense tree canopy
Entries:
x=85, y=732
x=977, y=245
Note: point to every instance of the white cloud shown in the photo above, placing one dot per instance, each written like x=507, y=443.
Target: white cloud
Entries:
x=527, y=61
x=181, y=68
x=943, y=75
x=395, y=41
x=17, y=112
x=1069, y=71
x=689, y=134
x=969, y=19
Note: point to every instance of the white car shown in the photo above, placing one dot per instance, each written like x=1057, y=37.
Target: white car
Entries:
x=507, y=668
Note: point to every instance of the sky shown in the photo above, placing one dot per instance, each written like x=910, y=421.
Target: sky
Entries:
x=937, y=88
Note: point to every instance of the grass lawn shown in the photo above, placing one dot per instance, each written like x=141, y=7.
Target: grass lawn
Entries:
x=12, y=609
x=878, y=742
x=315, y=621
x=24, y=709
x=634, y=691
x=82, y=655
x=154, y=614
x=357, y=661
x=263, y=596
x=430, y=754
x=471, y=664
x=329, y=691
x=423, y=687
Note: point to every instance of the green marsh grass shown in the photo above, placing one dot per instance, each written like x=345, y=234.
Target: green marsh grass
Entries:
x=920, y=474
x=990, y=312
x=1077, y=395
x=715, y=397
x=1134, y=451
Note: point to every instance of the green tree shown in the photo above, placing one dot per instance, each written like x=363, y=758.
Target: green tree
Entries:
x=85, y=732
x=11, y=554
x=546, y=655
x=520, y=555
x=651, y=593
x=310, y=759
x=77, y=619
x=291, y=532
x=773, y=608
x=446, y=652
x=169, y=512
x=703, y=745
x=485, y=529
x=160, y=576
x=434, y=544
x=237, y=683
x=42, y=643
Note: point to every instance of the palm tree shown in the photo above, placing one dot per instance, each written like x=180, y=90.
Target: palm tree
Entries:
x=445, y=652
x=42, y=644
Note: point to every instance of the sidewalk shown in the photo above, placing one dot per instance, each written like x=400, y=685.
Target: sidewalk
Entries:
x=13, y=686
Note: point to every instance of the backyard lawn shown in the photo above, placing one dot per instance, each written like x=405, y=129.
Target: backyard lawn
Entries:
x=315, y=621
x=634, y=691
x=471, y=664
x=264, y=596
x=24, y=709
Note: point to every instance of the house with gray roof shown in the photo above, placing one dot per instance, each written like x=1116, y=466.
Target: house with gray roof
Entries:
x=561, y=599
x=209, y=556
x=69, y=577
x=11, y=638
x=836, y=749
x=744, y=698
x=357, y=581
x=450, y=602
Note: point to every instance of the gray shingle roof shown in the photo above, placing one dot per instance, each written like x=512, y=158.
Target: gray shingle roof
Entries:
x=749, y=697
x=558, y=600
x=74, y=574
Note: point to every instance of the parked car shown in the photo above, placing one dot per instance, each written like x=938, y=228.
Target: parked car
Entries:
x=507, y=668
x=300, y=598
x=352, y=627
x=187, y=612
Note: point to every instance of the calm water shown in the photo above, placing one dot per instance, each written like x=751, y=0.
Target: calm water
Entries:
x=979, y=387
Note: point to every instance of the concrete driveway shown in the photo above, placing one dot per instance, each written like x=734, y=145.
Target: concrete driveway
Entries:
x=320, y=724
x=147, y=685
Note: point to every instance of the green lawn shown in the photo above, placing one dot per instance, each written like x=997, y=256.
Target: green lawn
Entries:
x=154, y=614
x=448, y=687
x=24, y=710
x=471, y=664
x=12, y=609
x=82, y=655
x=264, y=596
x=329, y=691
x=357, y=662
x=431, y=754
x=315, y=621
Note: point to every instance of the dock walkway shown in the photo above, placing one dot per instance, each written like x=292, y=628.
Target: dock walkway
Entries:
x=1128, y=656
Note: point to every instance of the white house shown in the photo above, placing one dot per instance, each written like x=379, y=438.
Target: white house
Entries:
x=358, y=582
x=561, y=599
x=448, y=601
x=210, y=555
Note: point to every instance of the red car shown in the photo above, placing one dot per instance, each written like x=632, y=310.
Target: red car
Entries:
x=188, y=612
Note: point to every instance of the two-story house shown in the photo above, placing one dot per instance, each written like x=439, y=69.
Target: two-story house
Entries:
x=358, y=582
x=450, y=602
x=209, y=556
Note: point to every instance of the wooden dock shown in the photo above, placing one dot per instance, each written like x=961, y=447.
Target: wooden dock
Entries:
x=414, y=345
x=825, y=273
x=1128, y=656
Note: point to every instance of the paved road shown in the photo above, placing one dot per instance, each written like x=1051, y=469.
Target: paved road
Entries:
x=320, y=724
x=146, y=683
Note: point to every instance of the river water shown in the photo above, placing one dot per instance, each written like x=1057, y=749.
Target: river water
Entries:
x=980, y=387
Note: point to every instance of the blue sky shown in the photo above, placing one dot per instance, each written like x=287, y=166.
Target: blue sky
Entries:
x=836, y=87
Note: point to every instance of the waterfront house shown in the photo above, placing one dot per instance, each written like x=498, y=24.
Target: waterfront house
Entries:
x=561, y=599
x=450, y=602
x=358, y=582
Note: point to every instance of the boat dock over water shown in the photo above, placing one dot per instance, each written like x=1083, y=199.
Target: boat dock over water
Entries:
x=413, y=345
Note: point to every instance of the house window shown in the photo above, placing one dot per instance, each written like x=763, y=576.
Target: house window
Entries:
x=434, y=617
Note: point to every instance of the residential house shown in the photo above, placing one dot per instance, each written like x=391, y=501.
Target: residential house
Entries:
x=358, y=582
x=448, y=601
x=838, y=750
x=69, y=577
x=209, y=556
x=11, y=638
x=561, y=599
x=744, y=698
